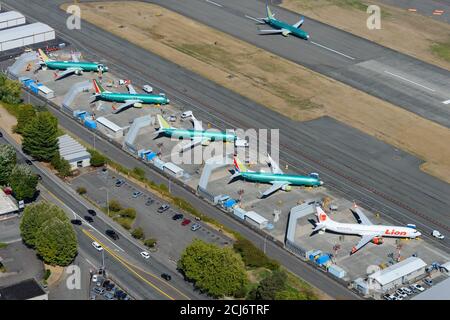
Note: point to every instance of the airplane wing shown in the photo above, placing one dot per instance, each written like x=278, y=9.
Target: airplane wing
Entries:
x=131, y=89
x=193, y=143
x=275, y=186
x=362, y=217
x=67, y=72
x=272, y=31
x=126, y=105
x=299, y=24
x=274, y=166
x=364, y=240
x=197, y=124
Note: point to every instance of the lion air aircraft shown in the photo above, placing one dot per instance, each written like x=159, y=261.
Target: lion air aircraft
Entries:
x=365, y=229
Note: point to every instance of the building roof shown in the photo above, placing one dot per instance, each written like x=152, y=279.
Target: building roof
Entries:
x=10, y=15
x=172, y=167
x=398, y=270
x=439, y=291
x=24, y=31
x=71, y=150
x=7, y=205
x=24, y=290
x=109, y=124
x=256, y=217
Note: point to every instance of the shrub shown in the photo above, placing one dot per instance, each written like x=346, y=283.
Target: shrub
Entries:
x=81, y=190
x=124, y=222
x=97, y=159
x=139, y=173
x=47, y=274
x=138, y=233
x=252, y=256
x=151, y=243
x=115, y=206
x=128, y=213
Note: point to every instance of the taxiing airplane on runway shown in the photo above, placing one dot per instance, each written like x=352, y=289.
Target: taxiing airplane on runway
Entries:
x=197, y=135
x=282, y=27
x=70, y=67
x=131, y=99
x=277, y=178
x=366, y=229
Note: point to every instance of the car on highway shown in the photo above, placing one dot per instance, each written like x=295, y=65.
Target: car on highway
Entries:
x=163, y=208
x=97, y=246
x=177, y=216
x=166, y=276
x=92, y=212
x=185, y=222
x=78, y=222
x=137, y=194
x=145, y=255
x=28, y=162
x=195, y=227
x=112, y=234
x=149, y=201
x=418, y=287
x=88, y=219
x=437, y=234
x=119, y=182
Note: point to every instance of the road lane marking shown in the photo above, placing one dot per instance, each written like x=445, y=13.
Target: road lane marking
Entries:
x=332, y=50
x=446, y=102
x=410, y=81
x=214, y=3
x=126, y=265
x=248, y=17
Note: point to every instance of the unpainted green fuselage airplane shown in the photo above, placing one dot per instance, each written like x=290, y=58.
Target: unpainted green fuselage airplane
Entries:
x=282, y=27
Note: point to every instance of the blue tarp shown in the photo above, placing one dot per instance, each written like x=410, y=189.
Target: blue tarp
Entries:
x=90, y=124
x=229, y=203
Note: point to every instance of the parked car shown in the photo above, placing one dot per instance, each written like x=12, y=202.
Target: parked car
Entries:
x=401, y=293
x=428, y=281
x=147, y=88
x=28, y=162
x=195, y=227
x=418, y=287
x=437, y=234
x=95, y=278
x=78, y=222
x=137, y=194
x=1, y=135
x=177, y=216
x=88, y=219
x=387, y=297
x=112, y=234
x=185, y=222
x=186, y=114
x=39, y=176
x=97, y=246
x=98, y=290
x=166, y=276
x=172, y=118
x=119, y=182
x=145, y=255
x=398, y=296
x=149, y=201
x=163, y=208
x=92, y=212
x=407, y=291
x=109, y=296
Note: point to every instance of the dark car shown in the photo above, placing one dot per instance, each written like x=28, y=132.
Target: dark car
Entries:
x=39, y=176
x=76, y=221
x=185, y=222
x=178, y=216
x=28, y=162
x=166, y=277
x=149, y=201
x=112, y=234
x=88, y=219
x=119, y=182
x=163, y=208
x=92, y=212
x=1, y=135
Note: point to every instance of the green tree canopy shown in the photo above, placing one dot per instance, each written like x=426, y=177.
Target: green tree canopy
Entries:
x=23, y=182
x=61, y=165
x=26, y=113
x=214, y=270
x=252, y=256
x=40, y=137
x=9, y=90
x=97, y=159
x=270, y=286
x=34, y=217
x=7, y=162
x=56, y=242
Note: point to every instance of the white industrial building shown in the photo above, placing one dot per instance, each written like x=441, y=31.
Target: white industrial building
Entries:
x=25, y=35
x=256, y=220
x=72, y=151
x=11, y=19
x=173, y=169
x=109, y=128
x=7, y=205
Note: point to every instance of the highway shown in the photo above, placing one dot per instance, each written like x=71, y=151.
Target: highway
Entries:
x=388, y=187
x=140, y=277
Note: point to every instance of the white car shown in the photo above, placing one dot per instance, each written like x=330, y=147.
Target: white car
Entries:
x=97, y=246
x=145, y=255
x=147, y=88
x=418, y=287
x=407, y=291
x=437, y=234
x=186, y=114
x=94, y=278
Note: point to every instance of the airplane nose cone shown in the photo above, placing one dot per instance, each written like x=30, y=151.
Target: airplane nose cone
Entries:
x=321, y=183
x=307, y=37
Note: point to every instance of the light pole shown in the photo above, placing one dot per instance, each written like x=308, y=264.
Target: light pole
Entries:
x=265, y=241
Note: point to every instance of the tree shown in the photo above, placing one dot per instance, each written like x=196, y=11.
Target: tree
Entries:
x=40, y=137
x=252, y=256
x=214, y=270
x=56, y=242
x=128, y=213
x=26, y=113
x=97, y=159
x=9, y=90
x=270, y=286
x=7, y=162
x=34, y=217
x=114, y=205
x=138, y=233
x=61, y=165
x=151, y=243
x=23, y=182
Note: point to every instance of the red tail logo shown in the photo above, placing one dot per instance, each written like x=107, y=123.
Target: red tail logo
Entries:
x=322, y=217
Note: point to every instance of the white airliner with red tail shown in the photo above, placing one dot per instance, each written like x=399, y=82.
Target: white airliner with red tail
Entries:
x=365, y=228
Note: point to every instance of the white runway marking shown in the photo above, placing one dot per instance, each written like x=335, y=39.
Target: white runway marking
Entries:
x=214, y=3
x=332, y=50
x=254, y=19
x=410, y=81
x=446, y=102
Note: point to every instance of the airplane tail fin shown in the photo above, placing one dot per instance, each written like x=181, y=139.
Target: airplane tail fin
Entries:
x=322, y=217
x=269, y=12
x=239, y=166
x=162, y=123
x=43, y=56
x=98, y=87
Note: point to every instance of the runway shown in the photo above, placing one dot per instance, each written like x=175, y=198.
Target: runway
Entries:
x=397, y=189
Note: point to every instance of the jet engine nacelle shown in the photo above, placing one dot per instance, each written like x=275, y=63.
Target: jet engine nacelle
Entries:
x=377, y=240
x=286, y=188
x=206, y=142
x=79, y=72
x=137, y=105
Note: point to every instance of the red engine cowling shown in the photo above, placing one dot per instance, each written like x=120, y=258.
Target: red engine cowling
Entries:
x=377, y=240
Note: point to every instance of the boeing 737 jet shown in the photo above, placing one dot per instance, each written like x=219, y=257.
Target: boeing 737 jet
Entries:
x=365, y=229
x=197, y=135
x=277, y=178
x=131, y=99
x=282, y=27
x=69, y=67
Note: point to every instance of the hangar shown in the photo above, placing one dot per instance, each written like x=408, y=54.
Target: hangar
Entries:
x=72, y=151
x=25, y=35
x=11, y=19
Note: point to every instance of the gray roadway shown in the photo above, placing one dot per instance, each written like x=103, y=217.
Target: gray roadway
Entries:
x=393, y=192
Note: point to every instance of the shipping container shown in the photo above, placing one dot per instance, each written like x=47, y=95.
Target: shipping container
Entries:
x=322, y=259
x=336, y=271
